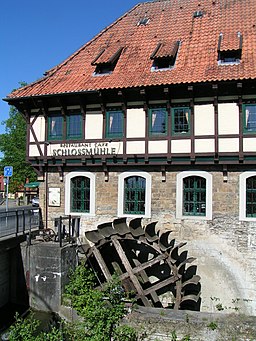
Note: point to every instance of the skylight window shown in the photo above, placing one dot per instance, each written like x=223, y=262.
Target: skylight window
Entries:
x=164, y=55
x=230, y=48
x=143, y=21
x=106, y=60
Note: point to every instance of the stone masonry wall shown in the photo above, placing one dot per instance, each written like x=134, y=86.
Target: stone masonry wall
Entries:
x=225, y=247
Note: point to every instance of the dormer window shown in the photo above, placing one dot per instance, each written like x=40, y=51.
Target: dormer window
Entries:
x=164, y=55
x=229, y=48
x=143, y=21
x=106, y=60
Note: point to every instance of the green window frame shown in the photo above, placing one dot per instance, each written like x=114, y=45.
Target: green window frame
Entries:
x=134, y=195
x=181, y=117
x=158, y=121
x=249, y=118
x=74, y=126
x=55, y=127
x=251, y=197
x=114, y=124
x=194, y=196
x=80, y=194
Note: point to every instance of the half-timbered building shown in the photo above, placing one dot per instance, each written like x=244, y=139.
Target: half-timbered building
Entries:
x=155, y=117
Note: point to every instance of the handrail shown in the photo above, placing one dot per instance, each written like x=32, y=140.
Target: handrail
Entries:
x=68, y=228
x=20, y=221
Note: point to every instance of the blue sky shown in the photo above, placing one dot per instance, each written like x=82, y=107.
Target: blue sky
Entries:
x=37, y=35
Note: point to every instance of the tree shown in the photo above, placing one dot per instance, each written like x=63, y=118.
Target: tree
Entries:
x=13, y=146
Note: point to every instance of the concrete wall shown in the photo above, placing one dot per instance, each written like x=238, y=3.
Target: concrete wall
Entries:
x=48, y=266
x=162, y=325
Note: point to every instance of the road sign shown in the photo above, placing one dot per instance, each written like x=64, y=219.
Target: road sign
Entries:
x=8, y=170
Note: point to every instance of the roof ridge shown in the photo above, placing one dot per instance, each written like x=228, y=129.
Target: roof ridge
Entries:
x=53, y=70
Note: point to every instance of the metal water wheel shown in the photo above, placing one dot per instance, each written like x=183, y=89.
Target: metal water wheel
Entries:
x=149, y=263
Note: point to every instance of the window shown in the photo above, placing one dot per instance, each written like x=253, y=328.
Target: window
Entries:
x=158, y=121
x=114, y=124
x=181, y=120
x=72, y=125
x=247, y=196
x=55, y=127
x=164, y=55
x=80, y=193
x=230, y=48
x=249, y=112
x=194, y=195
x=134, y=194
x=107, y=59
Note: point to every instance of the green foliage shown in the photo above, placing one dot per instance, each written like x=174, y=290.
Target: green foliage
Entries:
x=101, y=310
x=23, y=330
x=213, y=325
x=13, y=146
x=28, y=330
x=124, y=333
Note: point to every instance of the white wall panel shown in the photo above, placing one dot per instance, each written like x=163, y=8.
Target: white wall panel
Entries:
x=94, y=125
x=204, y=146
x=39, y=129
x=158, y=147
x=228, y=145
x=135, y=147
x=136, y=123
x=228, y=118
x=33, y=150
x=204, y=119
x=181, y=146
x=249, y=144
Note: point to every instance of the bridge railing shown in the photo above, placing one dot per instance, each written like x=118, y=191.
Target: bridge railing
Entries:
x=68, y=228
x=20, y=221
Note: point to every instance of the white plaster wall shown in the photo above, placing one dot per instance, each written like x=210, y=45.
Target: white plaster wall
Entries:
x=158, y=147
x=204, y=146
x=249, y=144
x=94, y=125
x=136, y=123
x=181, y=146
x=204, y=119
x=39, y=129
x=135, y=147
x=228, y=145
x=228, y=118
x=33, y=150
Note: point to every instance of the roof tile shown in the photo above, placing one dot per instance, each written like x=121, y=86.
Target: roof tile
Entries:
x=170, y=21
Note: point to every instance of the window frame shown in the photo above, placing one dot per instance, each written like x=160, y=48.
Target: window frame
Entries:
x=180, y=195
x=242, y=195
x=73, y=137
x=151, y=132
x=245, y=129
x=121, y=182
x=173, y=121
x=50, y=137
x=108, y=133
x=67, y=180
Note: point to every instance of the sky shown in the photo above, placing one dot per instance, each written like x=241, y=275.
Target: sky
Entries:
x=38, y=35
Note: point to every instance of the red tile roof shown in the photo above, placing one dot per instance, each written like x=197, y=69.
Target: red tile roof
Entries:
x=169, y=21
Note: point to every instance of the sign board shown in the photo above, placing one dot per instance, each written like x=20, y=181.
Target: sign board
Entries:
x=8, y=171
x=54, y=197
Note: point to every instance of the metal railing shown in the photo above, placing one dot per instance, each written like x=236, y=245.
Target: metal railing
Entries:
x=68, y=228
x=16, y=222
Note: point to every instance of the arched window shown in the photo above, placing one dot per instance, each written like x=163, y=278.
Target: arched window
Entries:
x=80, y=193
x=247, y=196
x=194, y=195
x=134, y=194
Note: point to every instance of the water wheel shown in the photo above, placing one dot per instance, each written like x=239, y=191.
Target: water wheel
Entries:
x=149, y=263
